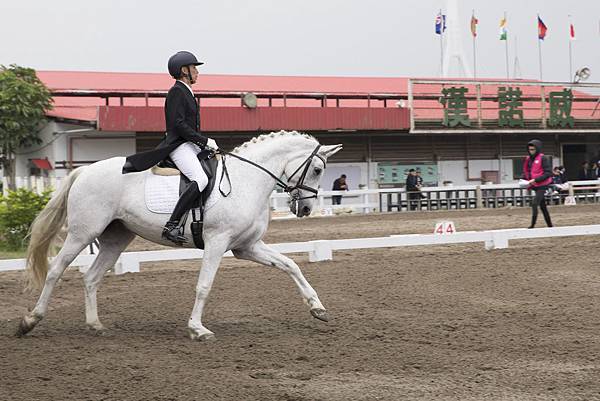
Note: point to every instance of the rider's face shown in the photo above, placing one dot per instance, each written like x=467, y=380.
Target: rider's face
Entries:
x=193, y=71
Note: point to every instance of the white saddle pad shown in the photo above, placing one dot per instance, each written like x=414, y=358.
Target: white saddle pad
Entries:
x=162, y=192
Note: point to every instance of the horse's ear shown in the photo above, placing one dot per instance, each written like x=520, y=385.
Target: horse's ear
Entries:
x=329, y=150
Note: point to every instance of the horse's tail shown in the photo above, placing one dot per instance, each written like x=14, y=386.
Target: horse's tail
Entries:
x=44, y=230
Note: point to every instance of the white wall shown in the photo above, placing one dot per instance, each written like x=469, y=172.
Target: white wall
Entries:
x=86, y=146
x=456, y=170
x=98, y=147
x=41, y=151
x=356, y=174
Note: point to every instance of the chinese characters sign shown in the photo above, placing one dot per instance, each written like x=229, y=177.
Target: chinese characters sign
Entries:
x=455, y=107
x=510, y=107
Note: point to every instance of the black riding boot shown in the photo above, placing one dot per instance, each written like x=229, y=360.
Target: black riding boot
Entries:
x=172, y=230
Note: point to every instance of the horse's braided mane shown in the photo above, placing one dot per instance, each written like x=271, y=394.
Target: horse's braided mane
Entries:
x=279, y=134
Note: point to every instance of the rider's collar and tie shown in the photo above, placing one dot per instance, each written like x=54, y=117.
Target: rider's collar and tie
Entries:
x=187, y=86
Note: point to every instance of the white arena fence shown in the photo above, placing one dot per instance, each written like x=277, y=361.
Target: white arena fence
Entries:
x=397, y=199
x=320, y=250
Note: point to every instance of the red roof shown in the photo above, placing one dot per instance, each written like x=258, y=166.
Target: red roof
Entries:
x=85, y=108
x=124, y=81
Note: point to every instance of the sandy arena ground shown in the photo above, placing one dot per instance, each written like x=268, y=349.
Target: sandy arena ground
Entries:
x=424, y=323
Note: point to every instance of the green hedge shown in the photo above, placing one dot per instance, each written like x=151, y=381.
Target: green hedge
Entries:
x=17, y=211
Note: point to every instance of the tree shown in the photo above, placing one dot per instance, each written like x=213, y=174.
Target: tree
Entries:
x=24, y=101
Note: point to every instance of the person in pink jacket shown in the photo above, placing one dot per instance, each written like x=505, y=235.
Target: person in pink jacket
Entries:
x=537, y=169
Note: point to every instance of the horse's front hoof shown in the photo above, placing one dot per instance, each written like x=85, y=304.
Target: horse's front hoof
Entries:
x=207, y=336
x=320, y=314
x=97, y=329
x=26, y=325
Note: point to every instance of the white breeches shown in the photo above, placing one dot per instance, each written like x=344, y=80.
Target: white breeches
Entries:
x=185, y=158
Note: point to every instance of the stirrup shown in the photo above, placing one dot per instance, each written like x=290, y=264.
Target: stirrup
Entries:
x=172, y=232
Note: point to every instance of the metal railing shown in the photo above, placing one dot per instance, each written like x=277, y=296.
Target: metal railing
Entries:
x=399, y=200
x=439, y=198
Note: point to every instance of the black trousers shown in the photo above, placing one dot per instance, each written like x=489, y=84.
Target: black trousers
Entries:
x=413, y=200
x=540, y=200
x=336, y=200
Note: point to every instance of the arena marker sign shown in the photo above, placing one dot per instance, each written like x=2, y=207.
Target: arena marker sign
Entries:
x=570, y=201
x=444, y=227
x=327, y=211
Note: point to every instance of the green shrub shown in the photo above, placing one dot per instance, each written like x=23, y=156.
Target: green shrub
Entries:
x=17, y=211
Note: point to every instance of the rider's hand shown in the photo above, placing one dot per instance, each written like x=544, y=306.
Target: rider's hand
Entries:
x=211, y=144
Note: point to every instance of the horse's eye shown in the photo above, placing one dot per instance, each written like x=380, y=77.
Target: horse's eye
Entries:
x=318, y=171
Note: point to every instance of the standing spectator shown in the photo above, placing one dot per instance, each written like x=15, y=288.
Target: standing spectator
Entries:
x=419, y=179
x=596, y=170
x=420, y=184
x=339, y=185
x=412, y=188
x=585, y=173
x=537, y=169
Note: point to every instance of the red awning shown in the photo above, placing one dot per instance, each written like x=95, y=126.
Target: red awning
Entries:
x=43, y=164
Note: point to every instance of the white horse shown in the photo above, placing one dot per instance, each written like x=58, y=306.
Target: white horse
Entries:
x=98, y=201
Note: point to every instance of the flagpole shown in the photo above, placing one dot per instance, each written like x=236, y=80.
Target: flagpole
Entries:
x=570, y=51
x=540, y=50
x=441, y=44
x=506, y=51
x=570, y=61
x=474, y=50
x=540, y=58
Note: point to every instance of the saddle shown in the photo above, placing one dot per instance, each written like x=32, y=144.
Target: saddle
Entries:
x=209, y=163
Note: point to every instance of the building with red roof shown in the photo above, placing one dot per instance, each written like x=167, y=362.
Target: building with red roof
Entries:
x=387, y=125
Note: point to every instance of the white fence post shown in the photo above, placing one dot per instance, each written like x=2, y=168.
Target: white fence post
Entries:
x=498, y=240
x=321, y=251
x=127, y=263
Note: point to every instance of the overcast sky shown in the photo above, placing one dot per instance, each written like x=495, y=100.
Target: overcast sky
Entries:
x=291, y=37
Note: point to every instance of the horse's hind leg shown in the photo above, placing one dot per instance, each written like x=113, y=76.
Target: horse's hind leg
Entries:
x=73, y=245
x=113, y=241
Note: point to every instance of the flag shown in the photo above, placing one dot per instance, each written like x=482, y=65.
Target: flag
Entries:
x=440, y=23
x=572, y=32
x=542, y=29
x=474, y=22
x=503, y=31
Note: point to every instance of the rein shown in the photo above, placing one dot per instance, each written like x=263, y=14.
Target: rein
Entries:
x=280, y=183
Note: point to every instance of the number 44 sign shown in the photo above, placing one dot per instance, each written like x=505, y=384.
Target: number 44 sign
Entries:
x=444, y=227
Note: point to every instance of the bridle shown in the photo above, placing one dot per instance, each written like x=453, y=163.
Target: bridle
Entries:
x=298, y=186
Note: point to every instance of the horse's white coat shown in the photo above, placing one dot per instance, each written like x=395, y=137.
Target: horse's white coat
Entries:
x=103, y=203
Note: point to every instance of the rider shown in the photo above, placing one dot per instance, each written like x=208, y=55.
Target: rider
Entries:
x=182, y=141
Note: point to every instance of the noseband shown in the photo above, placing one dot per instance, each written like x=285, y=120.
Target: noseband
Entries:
x=299, y=186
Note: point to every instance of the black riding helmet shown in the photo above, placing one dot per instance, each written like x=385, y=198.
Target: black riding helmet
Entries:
x=179, y=60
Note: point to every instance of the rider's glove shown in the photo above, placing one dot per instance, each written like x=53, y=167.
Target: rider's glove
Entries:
x=211, y=144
